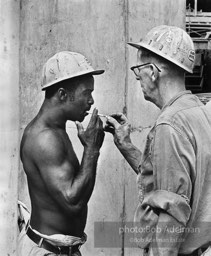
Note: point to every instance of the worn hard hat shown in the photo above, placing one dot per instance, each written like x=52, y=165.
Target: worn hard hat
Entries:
x=171, y=43
x=65, y=65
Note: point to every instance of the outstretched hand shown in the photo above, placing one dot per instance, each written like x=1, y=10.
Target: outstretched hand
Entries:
x=118, y=125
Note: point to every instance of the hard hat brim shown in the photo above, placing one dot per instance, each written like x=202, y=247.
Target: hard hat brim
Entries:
x=91, y=72
x=142, y=45
x=136, y=45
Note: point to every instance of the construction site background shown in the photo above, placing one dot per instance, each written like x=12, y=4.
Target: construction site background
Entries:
x=31, y=32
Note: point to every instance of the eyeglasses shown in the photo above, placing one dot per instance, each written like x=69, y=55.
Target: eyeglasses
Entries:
x=137, y=69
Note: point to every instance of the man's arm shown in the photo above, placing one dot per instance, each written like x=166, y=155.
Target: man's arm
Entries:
x=173, y=168
x=119, y=126
x=68, y=183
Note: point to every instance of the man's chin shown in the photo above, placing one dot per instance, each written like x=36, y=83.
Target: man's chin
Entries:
x=81, y=119
x=146, y=97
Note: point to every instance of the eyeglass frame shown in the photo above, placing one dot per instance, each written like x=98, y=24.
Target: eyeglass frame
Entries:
x=139, y=67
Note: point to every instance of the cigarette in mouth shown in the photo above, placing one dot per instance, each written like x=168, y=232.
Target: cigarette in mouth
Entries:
x=89, y=112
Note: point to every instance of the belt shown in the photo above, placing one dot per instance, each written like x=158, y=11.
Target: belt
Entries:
x=43, y=243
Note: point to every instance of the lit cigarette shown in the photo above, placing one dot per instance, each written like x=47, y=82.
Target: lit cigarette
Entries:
x=89, y=112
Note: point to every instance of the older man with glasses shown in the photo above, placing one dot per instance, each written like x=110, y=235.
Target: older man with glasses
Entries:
x=174, y=208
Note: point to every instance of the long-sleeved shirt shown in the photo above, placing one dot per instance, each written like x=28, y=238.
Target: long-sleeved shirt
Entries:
x=174, y=179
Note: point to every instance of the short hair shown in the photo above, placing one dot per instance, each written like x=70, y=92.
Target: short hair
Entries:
x=165, y=64
x=69, y=85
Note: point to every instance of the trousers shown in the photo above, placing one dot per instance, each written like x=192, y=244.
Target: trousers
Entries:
x=26, y=247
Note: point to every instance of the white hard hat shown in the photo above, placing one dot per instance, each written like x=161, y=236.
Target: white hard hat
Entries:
x=171, y=43
x=65, y=65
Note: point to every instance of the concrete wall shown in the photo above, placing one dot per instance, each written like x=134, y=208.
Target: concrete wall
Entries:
x=9, y=127
x=99, y=29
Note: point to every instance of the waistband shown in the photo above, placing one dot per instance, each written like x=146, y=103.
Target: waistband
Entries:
x=53, y=245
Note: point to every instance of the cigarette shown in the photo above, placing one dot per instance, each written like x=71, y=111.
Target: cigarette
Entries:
x=89, y=112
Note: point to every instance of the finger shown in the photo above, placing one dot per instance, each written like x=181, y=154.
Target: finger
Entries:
x=79, y=127
x=120, y=116
x=94, y=118
x=99, y=122
x=112, y=122
x=95, y=112
x=109, y=128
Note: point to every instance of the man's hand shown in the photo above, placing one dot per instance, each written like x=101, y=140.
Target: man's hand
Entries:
x=93, y=136
x=118, y=125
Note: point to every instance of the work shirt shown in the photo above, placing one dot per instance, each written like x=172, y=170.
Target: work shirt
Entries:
x=175, y=177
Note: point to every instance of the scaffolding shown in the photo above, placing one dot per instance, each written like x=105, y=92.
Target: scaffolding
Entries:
x=198, y=26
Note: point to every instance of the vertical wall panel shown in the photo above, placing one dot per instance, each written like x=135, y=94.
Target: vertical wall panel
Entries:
x=9, y=124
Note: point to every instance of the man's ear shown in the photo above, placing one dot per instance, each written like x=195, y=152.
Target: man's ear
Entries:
x=154, y=73
x=62, y=94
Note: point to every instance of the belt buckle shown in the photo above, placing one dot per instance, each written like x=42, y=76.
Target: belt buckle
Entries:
x=70, y=251
x=40, y=242
x=60, y=253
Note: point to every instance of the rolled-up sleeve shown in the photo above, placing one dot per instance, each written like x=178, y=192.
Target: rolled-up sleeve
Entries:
x=173, y=204
x=173, y=162
x=165, y=182
x=173, y=167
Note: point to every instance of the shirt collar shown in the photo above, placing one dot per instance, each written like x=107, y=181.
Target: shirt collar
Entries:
x=172, y=100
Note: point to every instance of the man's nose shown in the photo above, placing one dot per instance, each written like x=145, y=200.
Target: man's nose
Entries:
x=91, y=101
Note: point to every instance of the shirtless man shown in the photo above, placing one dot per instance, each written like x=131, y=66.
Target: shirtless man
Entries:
x=59, y=186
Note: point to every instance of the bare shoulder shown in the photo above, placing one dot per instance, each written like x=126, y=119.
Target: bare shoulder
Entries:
x=51, y=144
x=44, y=144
